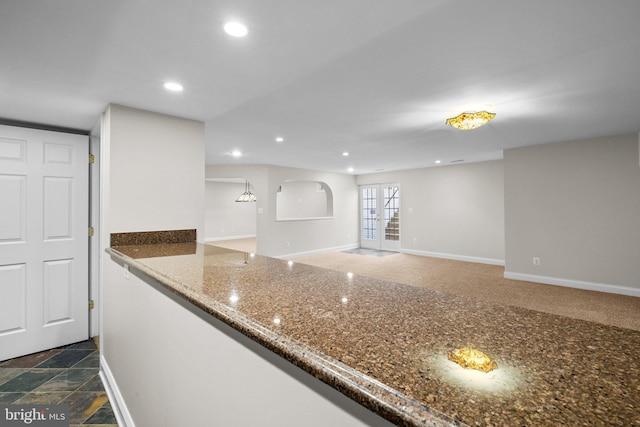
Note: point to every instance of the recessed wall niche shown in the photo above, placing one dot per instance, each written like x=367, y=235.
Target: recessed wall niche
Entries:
x=303, y=200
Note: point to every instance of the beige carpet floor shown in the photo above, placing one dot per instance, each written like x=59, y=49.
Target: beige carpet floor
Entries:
x=244, y=245
x=481, y=281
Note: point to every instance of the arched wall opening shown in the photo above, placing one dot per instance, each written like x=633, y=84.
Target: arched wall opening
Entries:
x=303, y=200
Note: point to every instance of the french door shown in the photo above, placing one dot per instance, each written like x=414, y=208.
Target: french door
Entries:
x=380, y=217
x=44, y=206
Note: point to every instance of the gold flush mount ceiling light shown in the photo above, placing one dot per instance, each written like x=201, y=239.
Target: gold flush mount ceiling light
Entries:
x=470, y=120
x=470, y=358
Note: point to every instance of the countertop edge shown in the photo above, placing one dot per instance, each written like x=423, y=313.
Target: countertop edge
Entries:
x=374, y=395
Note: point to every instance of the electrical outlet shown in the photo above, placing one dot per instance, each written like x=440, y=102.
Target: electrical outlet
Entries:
x=536, y=260
x=125, y=271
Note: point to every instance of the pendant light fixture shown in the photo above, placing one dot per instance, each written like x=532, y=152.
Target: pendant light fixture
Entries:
x=247, y=196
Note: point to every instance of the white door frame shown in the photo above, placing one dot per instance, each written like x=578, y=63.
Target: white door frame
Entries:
x=95, y=215
x=374, y=237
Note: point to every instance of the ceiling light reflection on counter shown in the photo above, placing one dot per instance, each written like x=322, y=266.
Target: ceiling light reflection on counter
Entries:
x=470, y=120
x=470, y=358
x=502, y=381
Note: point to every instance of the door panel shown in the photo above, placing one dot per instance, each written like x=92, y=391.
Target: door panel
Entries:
x=13, y=287
x=380, y=217
x=44, y=190
x=58, y=291
x=13, y=208
x=58, y=208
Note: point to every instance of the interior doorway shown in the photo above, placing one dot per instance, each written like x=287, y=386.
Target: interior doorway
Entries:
x=380, y=217
x=228, y=216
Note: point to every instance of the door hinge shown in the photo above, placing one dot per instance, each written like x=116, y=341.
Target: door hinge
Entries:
x=91, y=304
x=92, y=159
x=91, y=231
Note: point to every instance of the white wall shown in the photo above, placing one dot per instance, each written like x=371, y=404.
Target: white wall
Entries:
x=302, y=237
x=224, y=217
x=450, y=211
x=576, y=206
x=156, y=172
x=169, y=364
x=152, y=178
x=284, y=238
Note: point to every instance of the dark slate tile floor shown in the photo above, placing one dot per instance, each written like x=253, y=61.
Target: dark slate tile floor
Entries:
x=62, y=375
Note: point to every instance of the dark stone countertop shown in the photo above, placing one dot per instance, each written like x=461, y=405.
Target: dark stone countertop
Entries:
x=385, y=345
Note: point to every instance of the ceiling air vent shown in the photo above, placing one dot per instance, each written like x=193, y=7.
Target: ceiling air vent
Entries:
x=457, y=161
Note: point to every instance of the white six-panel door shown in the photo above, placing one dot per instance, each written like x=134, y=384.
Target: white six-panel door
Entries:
x=44, y=202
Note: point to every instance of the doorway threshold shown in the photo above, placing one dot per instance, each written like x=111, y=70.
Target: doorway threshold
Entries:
x=370, y=252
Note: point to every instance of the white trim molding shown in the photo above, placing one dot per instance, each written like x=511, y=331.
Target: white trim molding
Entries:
x=120, y=410
x=478, y=260
x=578, y=284
x=318, y=251
x=216, y=239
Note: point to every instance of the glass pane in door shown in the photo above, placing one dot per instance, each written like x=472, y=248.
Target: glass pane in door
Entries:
x=369, y=214
x=391, y=213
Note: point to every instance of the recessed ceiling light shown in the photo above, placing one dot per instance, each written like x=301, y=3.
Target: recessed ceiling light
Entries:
x=350, y=169
x=236, y=153
x=437, y=161
x=173, y=86
x=236, y=29
x=279, y=139
x=345, y=154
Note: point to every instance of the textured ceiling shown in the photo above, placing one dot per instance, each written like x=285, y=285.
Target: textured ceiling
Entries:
x=376, y=79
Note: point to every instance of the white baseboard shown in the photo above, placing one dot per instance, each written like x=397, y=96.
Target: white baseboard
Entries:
x=589, y=286
x=318, y=251
x=216, y=239
x=116, y=400
x=454, y=257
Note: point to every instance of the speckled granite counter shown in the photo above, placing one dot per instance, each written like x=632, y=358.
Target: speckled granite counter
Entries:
x=385, y=345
